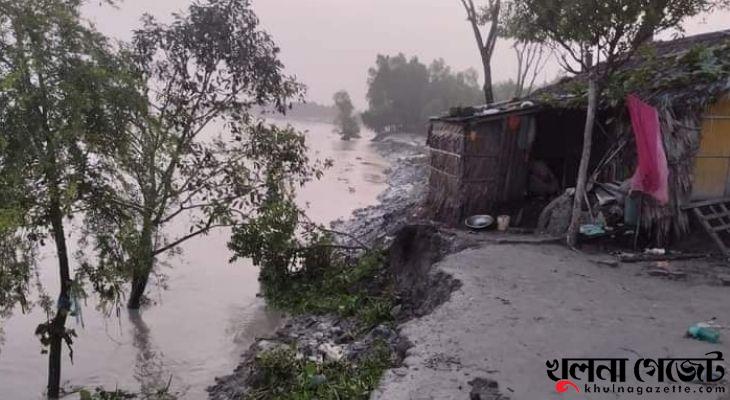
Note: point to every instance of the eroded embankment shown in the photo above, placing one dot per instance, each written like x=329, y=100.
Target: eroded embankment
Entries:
x=342, y=341
x=332, y=340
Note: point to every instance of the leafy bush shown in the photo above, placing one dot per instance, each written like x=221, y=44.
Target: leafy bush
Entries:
x=362, y=290
x=304, y=271
x=118, y=394
x=101, y=394
x=286, y=377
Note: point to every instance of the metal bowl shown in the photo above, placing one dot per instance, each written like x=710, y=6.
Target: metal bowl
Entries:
x=479, y=221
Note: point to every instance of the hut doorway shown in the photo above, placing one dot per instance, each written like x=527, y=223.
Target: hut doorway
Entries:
x=559, y=142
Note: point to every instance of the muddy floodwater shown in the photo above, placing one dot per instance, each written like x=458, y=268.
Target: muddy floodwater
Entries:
x=209, y=313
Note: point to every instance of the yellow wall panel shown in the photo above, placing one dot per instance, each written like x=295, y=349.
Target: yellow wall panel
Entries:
x=712, y=145
x=722, y=107
x=710, y=178
x=711, y=173
x=721, y=128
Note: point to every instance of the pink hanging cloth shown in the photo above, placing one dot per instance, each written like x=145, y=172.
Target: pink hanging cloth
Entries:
x=652, y=174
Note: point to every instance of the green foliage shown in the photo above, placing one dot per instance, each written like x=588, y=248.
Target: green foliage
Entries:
x=101, y=394
x=588, y=33
x=302, y=270
x=687, y=76
x=16, y=268
x=346, y=124
x=124, y=135
x=65, y=99
x=270, y=241
x=403, y=94
x=361, y=290
x=119, y=394
x=196, y=156
x=65, y=96
x=676, y=73
x=284, y=377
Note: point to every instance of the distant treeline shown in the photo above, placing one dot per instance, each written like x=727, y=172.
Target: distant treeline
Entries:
x=404, y=93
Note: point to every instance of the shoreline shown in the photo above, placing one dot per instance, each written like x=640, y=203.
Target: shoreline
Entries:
x=321, y=338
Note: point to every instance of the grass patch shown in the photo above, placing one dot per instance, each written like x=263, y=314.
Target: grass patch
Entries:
x=118, y=394
x=362, y=290
x=284, y=377
x=101, y=394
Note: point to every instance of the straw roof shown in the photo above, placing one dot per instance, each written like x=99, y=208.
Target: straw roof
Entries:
x=690, y=71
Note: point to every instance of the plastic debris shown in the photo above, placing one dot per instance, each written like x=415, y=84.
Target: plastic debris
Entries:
x=331, y=352
x=703, y=331
x=592, y=230
x=503, y=223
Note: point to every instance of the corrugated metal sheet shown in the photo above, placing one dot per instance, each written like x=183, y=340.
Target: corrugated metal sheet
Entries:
x=712, y=165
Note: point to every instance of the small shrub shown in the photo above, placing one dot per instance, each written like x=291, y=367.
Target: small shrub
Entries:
x=362, y=290
x=101, y=394
x=284, y=377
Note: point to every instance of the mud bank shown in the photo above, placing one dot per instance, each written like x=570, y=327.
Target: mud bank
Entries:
x=400, y=203
x=413, y=248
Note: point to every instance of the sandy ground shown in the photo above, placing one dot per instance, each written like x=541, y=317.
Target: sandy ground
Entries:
x=521, y=305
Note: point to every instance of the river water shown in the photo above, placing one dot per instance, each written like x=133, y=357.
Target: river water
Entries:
x=209, y=313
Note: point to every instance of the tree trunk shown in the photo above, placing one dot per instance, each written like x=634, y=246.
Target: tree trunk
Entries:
x=580, y=186
x=58, y=328
x=139, y=285
x=58, y=325
x=143, y=266
x=488, y=92
x=485, y=45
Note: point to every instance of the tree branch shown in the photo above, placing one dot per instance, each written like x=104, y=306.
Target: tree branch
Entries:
x=187, y=237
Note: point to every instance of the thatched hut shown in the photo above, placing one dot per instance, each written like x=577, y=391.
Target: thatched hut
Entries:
x=479, y=162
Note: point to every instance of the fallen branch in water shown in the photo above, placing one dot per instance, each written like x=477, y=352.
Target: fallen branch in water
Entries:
x=360, y=243
x=333, y=246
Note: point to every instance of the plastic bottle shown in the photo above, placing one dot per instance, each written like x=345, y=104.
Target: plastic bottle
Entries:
x=704, y=333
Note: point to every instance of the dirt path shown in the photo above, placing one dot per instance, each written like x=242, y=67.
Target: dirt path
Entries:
x=521, y=305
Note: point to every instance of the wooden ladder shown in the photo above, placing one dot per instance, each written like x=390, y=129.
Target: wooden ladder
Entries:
x=714, y=215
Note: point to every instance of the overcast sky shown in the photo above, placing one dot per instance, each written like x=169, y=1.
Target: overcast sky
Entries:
x=330, y=44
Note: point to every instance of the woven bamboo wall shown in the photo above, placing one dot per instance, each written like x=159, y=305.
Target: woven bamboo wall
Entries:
x=477, y=165
x=446, y=142
x=483, y=173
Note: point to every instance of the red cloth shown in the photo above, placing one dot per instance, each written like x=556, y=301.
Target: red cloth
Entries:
x=652, y=174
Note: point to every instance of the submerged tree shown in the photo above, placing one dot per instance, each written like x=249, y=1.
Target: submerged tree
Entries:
x=196, y=157
x=345, y=123
x=396, y=91
x=597, y=38
x=62, y=103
